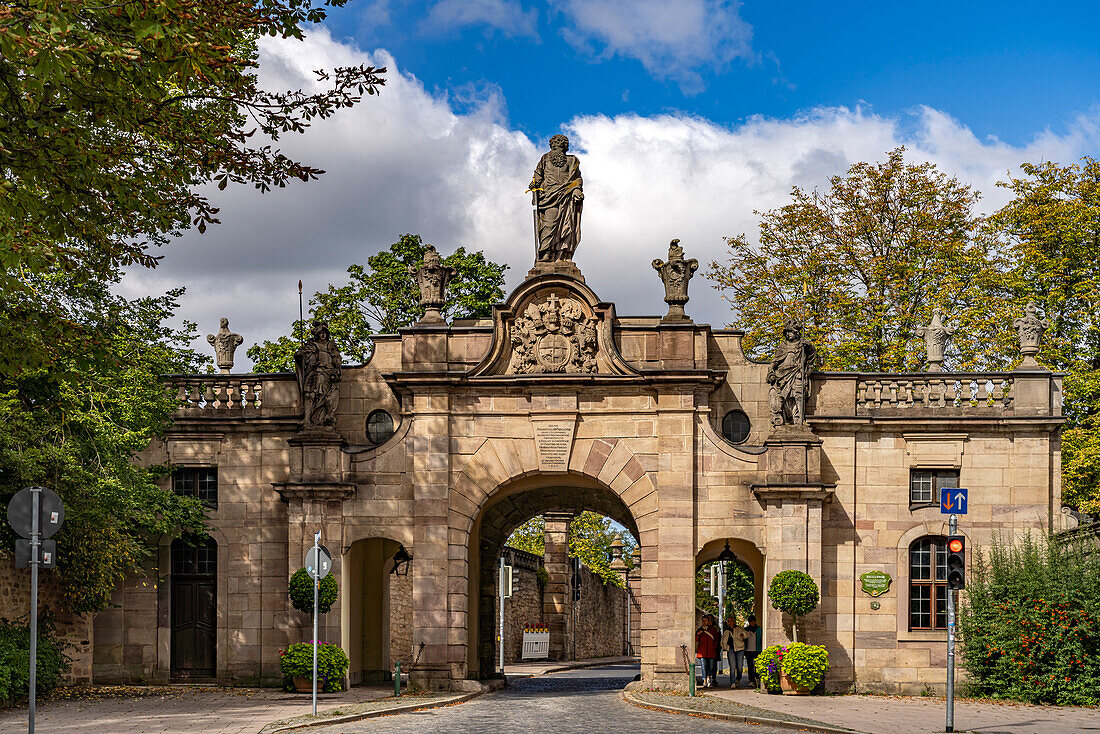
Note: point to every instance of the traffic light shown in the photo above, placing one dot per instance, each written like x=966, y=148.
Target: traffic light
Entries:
x=956, y=562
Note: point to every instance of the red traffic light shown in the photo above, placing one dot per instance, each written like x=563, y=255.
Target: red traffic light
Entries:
x=955, y=545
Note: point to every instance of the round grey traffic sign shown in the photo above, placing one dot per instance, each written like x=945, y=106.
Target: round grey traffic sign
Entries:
x=51, y=512
x=318, y=562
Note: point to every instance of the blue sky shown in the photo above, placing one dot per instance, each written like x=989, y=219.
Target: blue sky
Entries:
x=1006, y=69
x=688, y=116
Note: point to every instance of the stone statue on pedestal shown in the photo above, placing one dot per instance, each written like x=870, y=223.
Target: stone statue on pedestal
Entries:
x=318, y=365
x=789, y=376
x=557, y=195
x=675, y=274
x=432, y=277
x=935, y=337
x=225, y=344
x=1030, y=329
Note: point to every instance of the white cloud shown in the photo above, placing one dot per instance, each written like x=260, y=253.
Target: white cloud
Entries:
x=673, y=39
x=507, y=16
x=406, y=161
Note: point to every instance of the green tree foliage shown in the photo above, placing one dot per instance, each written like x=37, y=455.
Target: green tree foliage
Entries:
x=740, y=591
x=381, y=298
x=112, y=115
x=864, y=264
x=794, y=592
x=300, y=590
x=590, y=539
x=1031, y=623
x=76, y=431
x=1052, y=229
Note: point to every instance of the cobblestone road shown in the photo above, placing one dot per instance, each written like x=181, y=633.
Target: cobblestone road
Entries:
x=577, y=701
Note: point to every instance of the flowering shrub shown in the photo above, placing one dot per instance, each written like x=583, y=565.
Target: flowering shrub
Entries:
x=1031, y=627
x=297, y=662
x=768, y=665
x=806, y=664
x=301, y=592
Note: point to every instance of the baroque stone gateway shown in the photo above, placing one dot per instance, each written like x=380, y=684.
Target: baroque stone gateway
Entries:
x=453, y=434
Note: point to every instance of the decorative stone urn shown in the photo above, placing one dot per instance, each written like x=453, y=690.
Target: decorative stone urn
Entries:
x=675, y=274
x=1030, y=329
x=432, y=278
x=935, y=337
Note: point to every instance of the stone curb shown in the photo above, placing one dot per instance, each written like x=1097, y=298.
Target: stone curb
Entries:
x=373, y=714
x=576, y=666
x=779, y=723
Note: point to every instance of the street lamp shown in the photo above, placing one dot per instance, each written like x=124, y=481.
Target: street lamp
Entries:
x=401, y=561
x=726, y=556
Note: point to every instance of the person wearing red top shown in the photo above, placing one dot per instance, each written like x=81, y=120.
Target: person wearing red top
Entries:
x=706, y=649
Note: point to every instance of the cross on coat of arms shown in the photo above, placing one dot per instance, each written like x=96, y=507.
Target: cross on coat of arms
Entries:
x=555, y=335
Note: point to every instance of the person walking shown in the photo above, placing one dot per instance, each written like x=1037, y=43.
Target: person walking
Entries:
x=752, y=649
x=733, y=642
x=706, y=649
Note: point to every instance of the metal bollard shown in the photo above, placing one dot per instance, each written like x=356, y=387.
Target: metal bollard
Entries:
x=691, y=679
x=397, y=678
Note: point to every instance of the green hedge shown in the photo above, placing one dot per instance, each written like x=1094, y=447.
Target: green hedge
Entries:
x=297, y=662
x=301, y=592
x=1030, y=626
x=15, y=654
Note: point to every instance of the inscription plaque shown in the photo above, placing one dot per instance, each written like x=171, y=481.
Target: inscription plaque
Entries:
x=554, y=442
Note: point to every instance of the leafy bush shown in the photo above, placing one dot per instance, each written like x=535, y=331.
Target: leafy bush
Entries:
x=768, y=664
x=795, y=593
x=15, y=655
x=297, y=662
x=806, y=664
x=301, y=592
x=1031, y=624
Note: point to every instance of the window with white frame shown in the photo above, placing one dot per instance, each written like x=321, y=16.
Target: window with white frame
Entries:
x=925, y=485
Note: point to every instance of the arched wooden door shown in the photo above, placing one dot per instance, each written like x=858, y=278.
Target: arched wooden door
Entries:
x=194, y=608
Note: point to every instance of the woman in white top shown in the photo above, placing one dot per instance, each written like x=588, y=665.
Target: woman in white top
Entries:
x=733, y=642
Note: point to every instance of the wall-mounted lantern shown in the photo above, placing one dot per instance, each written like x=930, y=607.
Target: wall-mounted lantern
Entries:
x=401, y=560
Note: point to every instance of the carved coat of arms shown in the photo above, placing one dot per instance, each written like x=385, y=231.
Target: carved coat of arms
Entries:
x=553, y=336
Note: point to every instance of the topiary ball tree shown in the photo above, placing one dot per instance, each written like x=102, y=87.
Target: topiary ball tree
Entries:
x=301, y=592
x=795, y=593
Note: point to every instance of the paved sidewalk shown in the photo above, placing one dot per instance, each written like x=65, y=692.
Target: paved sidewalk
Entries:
x=176, y=709
x=919, y=715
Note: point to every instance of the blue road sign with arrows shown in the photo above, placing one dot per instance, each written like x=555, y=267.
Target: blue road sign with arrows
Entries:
x=953, y=500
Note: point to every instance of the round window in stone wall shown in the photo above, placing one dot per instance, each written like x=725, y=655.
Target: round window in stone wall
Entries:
x=735, y=427
x=379, y=427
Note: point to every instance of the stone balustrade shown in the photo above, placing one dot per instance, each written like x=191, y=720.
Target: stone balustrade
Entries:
x=227, y=395
x=943, y=392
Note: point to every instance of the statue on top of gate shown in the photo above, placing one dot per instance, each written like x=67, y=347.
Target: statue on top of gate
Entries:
x=318, y=365
x=789, y=376
x=557, y=196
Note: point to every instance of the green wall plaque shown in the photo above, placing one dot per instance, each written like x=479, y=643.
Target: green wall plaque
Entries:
x=875, y=583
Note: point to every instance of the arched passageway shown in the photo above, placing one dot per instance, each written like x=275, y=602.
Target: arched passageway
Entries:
x=367, y=608
x=510, y=507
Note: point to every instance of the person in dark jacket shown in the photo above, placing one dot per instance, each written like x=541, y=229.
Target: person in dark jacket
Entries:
x=752, y=649
x=707, y=650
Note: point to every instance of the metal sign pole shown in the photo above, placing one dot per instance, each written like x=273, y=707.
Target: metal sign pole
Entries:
x=316, y=593
x=953, y=529
x=32, y=682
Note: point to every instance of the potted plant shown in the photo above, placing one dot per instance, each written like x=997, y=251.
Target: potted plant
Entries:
x=795, y=593
x=769, y=667
x=297, y=665
x=301, y=592
x=803, y=667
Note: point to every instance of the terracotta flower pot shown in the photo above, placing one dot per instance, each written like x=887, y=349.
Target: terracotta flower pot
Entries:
x=790, y=688
x=303, y=685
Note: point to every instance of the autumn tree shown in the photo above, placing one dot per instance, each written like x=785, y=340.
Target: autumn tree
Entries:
x=381, y=297
x=1052, y=229
x=863, y=264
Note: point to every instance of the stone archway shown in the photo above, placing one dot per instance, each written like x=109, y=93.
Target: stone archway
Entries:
x=507, y=509
x=366, y=608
